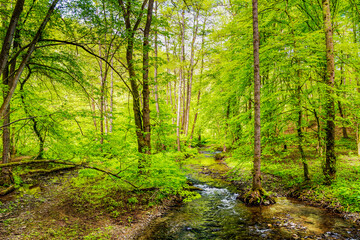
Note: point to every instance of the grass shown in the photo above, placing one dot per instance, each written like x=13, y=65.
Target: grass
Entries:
x=342, y=195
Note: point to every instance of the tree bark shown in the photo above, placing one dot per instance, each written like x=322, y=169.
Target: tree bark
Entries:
x=181, y=78
x=111, y=98
x=256, y=186
x=201, y=76
x=6, y=177
x=191, y=74
x=330, y=164
x=156, y=67
x=146, y=90
x=342, y=82
x=8, y=40
x=130, y=32
x=102, y=95
x=300, y=133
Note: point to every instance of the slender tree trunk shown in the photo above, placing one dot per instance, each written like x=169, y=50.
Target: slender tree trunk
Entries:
x=111, y=98
x=146, y=90
x=344, y=131
x=300, y=133
x=342, y=83
x=192, y=51
x=93, y=109
x=102, y=97
x=181, y=78
x=201, y=76
x=156, y=67
x=256, y=186
x=182, y=56
x=330, y=164
x=169, y=73
x=178, y=114
x=358, y=138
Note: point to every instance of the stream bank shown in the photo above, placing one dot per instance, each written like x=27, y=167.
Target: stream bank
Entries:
x=218, y=215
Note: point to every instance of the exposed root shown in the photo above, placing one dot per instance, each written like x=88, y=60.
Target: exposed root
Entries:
x=258, y=197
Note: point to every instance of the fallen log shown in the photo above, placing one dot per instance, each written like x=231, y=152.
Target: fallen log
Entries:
x=35, y=172
x=80, y=165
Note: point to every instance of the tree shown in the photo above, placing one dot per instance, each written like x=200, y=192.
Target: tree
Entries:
x=142, y=117
x=257, y=195
x=330, y=164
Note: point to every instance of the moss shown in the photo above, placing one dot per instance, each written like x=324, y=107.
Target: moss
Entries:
x=258, y=197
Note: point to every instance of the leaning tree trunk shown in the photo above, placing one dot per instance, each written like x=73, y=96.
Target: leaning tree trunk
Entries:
x=330, y=164
x=26, y=58
x=8, y=40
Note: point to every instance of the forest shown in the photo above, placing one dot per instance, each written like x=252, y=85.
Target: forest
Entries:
x=116, y=112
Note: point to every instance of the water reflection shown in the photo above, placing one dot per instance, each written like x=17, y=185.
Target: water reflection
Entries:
x=218, y=215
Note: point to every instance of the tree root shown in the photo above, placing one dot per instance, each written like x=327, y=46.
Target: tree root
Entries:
x=258, y=197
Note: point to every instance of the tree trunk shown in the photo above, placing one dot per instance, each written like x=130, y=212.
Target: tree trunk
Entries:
x=6, y=175
x=156, y=67
x=178, y=114
x=8, y=40
x=191, y=74
x=201, y=75
x=102, y=97
x=146, y=90
x=300, y=133
x=256, y=186
x=344, y=131
x=330, y=164
x=342, y=83
x=181, y=78
x=111, y=98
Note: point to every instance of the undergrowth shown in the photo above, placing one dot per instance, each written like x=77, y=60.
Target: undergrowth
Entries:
x=342, y=195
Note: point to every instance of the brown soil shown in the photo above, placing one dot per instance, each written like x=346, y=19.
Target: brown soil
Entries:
x=49, y=210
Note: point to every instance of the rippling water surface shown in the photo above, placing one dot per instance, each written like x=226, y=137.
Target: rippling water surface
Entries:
x=218, y=215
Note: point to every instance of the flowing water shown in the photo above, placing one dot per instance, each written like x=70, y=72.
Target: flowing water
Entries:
x=219, y=215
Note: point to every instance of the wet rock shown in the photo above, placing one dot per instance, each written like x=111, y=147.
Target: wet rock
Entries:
x=295, y=236
x=263, y=235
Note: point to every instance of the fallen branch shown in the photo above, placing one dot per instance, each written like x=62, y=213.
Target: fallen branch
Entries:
x=46, y=171
x=7, y=190
x=13, y=164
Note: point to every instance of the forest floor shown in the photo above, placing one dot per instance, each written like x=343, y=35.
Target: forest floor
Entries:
x=50, y=209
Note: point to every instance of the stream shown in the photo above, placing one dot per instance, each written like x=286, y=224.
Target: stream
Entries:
x=219, y=215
